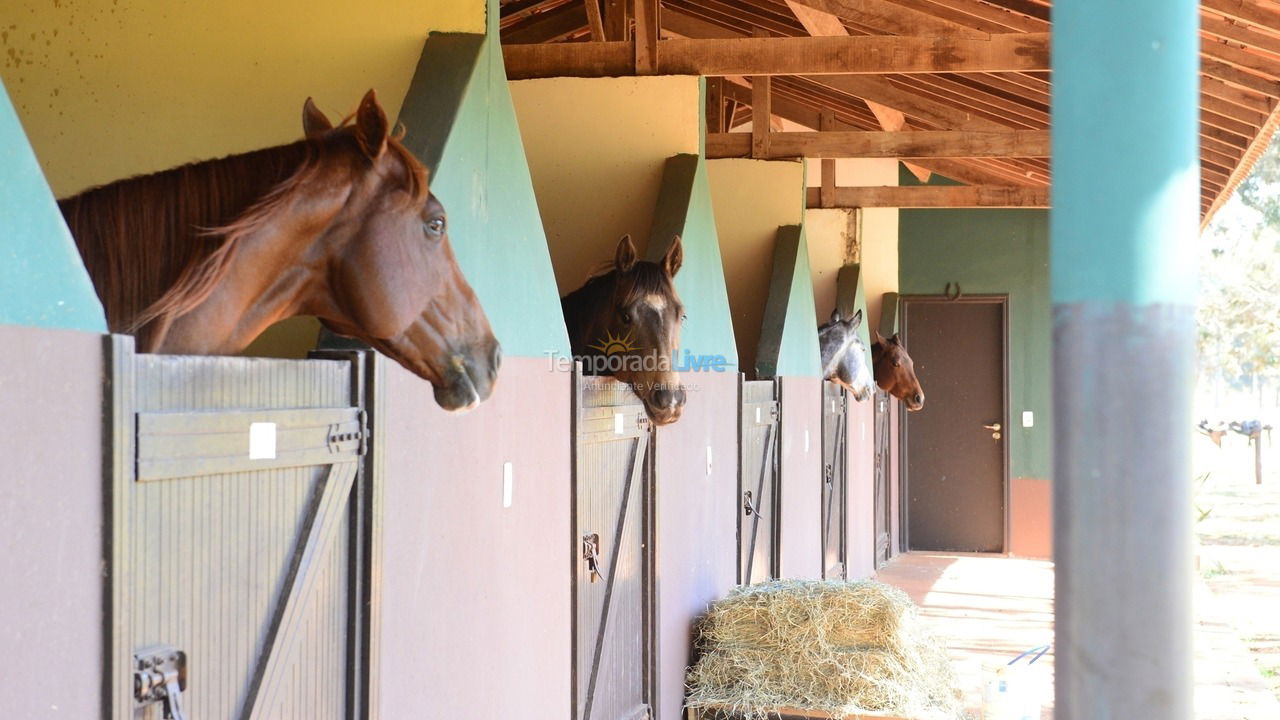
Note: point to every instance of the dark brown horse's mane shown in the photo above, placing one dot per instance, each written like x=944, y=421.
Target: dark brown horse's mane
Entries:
x=157, y=245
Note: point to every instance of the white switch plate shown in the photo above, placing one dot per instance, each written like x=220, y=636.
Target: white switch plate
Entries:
x=1028, y=418
x=506, y=484
x=262, y=441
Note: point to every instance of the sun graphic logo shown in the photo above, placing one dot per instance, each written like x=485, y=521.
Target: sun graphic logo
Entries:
x=615, y=345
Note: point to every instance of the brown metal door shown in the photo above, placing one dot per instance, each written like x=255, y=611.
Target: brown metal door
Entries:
x=834, y=479
x=758, y=482
x=955, y=446
x=882, y=510
x=613, y=559
x=238, y=546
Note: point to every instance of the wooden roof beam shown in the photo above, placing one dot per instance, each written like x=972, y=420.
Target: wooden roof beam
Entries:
x=869, y=54
x=906, y=144
x=552, y=25
x=887, y=17
x=1246, y=10
x=934, y=196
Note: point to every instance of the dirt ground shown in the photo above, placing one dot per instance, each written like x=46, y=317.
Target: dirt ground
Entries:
x=1238, y=528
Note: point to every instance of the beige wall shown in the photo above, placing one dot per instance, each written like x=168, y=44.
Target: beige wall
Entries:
x=596, y=149
x=751, y=199
x=832, y=235
x=112, y=88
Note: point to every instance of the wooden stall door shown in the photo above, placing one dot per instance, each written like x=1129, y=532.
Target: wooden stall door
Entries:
x=955, y=458
x=834, y=481
x=237, y=552
x=613, y=628
x=883, y=522
x=758, y=505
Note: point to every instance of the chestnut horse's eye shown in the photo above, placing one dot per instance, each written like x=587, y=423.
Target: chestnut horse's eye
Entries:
x=626, y=316
x=434, y=226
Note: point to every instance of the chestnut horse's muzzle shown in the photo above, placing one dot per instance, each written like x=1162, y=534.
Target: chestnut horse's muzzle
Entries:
x=468, y=376
x=665, y=404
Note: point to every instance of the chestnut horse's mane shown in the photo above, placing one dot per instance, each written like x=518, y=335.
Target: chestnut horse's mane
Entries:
x=158, y=245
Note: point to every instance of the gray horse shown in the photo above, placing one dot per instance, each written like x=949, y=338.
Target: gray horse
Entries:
x=844, y=356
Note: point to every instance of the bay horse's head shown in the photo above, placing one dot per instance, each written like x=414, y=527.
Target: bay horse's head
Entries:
x=625, y=322
x=393, y=279
x=894, y=371
x=844, y=356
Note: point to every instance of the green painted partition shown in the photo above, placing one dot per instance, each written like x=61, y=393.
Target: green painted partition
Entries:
x=461, y=123
x=789, y=336
x=684, y=209
x=43, y=283
x=851, y=297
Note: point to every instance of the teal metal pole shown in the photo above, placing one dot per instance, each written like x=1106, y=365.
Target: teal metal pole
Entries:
x=1125, y=201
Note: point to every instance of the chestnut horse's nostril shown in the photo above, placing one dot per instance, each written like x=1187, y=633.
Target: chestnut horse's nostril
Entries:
x=680, y=396
x=918, y=398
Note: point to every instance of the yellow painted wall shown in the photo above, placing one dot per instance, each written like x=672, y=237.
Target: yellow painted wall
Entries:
x=597, y=148
x=877, y=231
x=112, y=88
x=751, y=199
x=833, y=238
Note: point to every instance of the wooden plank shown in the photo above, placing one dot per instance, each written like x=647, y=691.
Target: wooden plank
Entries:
x=715, y=105
x=549, y=26
x=1235, y=32
x=827, y=192
x=617, y=20
x=887, y=17
x=1246, y=10
x=1243, y=98
x=980, y=14
x=1234, y=76
x=1240, y=57
x=760, y=114
x=904, y=144
x=595, y=20
x=871, y=54
x=647, y=30
x=936, y=196
x=929, y=110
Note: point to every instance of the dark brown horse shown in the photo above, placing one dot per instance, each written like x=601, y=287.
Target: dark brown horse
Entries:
x=202, y=258
x=894, y=371
x=625, y=322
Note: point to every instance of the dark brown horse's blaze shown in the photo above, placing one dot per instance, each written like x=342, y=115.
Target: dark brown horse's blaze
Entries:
x=341, y=225
x=895, y=373
x=625, y=323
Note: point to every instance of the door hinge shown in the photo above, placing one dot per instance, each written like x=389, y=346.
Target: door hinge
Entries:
x=343, y=436
x=160, y=676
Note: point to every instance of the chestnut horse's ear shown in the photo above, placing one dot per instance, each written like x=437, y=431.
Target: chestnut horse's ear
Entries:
x=314, y=122
x=371, y=126
x=674, y=258
x=625, y=257
x=876, y=339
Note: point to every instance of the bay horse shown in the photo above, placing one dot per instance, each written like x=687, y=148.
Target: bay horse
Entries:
x=844, y=356
x=625, y=322
x=894, y=371
x=341, y=225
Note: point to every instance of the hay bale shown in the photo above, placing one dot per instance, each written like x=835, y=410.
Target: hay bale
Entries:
x=841, y=647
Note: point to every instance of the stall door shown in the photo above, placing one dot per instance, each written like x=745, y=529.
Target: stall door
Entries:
x=613, y=578
x=883, y=546
x=758, y=482
x=236, y=579
x=955, y=458
x=834, y=480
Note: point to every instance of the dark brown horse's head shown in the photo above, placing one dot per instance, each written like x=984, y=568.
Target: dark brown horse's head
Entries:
x=393, y=279
x=201, y=259
x=894, y=371
x=625, y=322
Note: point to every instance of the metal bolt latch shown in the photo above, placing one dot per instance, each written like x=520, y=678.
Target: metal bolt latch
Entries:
x=160, y=676
x=749, y=507
x=591, y=553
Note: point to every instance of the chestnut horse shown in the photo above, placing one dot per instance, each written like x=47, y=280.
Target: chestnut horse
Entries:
x=625, y=322
x=894, y=371
x=341, y=225
x=844, y=356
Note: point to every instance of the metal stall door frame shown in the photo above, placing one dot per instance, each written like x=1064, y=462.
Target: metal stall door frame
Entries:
x=835, y=480
x=759, y=423
x=615, y=646
x=241, y=557
x=883, y=511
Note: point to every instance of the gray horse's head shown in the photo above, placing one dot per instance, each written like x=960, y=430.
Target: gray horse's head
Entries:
x=844, y=355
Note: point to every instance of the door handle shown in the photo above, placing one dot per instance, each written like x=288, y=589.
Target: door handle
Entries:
x=993, y=427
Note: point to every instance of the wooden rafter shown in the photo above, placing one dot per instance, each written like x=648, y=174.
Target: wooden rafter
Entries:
x=934, y=196
x=910, y=144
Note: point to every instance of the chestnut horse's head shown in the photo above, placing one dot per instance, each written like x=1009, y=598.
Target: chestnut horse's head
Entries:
x=894, y=371
x=201, y=259
x=392, y=278
x=625, y=322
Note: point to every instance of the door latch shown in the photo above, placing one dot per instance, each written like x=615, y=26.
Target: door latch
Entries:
x=749, y=506
x=160, y=676
x=591, y=553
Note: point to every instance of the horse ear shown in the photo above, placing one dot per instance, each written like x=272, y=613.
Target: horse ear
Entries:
x=894, y=339
x=314, y=122
x=856, y=320
x=876, y=338
x=625, y=257
x=674, y=258
x=371, y=126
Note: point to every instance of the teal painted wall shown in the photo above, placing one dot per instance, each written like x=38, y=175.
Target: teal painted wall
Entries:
x=42, y=281
x=462, y=124
x=1004, y=252
x=684, y=209
x=789, y=337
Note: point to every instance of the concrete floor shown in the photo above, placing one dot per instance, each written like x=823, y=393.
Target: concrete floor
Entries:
x=990, y=608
